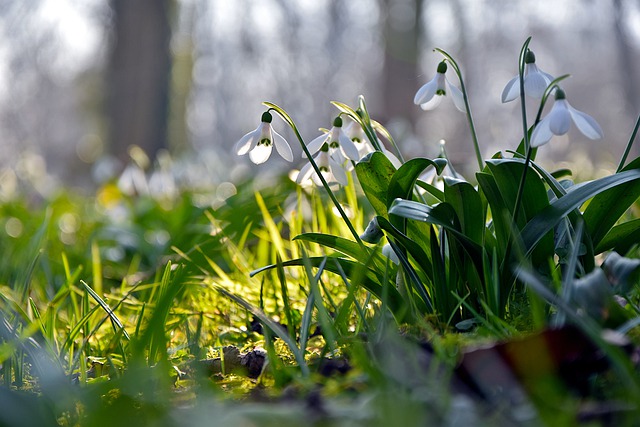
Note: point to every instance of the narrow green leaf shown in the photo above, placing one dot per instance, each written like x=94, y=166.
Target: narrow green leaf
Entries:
x=544, y=222
x=403, y=181
x=621, y=237
x=370, y=279
x=340, y=244
x=607, y=207
x=269, y=323
x=117, y=324
x=421, y=257
x=467, y=204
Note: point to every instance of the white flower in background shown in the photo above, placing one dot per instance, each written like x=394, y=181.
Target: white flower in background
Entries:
x=364, y=146
x=340, y=145
x=259, y=143
x=558, y=121
x=356, y=134
x=331, y=170
x=535, y=81
x=430, y=95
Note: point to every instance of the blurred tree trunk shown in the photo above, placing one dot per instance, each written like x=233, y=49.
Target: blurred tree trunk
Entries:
x=400, y=77
x=626, y=56
x=138, y=76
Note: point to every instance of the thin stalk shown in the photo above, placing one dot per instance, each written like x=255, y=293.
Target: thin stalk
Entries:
x=472, y=126
x=629, y=144
x=523, y=105
x=332, y=196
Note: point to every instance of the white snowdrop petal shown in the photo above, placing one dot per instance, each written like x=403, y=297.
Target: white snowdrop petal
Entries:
x=348, y=147
x=541, y=134
x=305, y=173
x=511, y=90
x=432, y=103
x=244, y=145
x=559, y=118
x=426, y=92
x=587, y=124
x=535, y=85
x=338, y=173
x=260, y=153
x=282, y=147
x=315, y=145
x=457, y=97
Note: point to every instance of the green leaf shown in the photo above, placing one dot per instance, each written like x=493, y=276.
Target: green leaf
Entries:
x=117, y=324
x=607, y=207
x=374, y=174
x=467, y=204
x=544, y=222
x=340, y=244
x=421, y=257
x=507, y=174
x=369, y=276
x=621, y=237
x=499, y=210
x=403, y=181
x=435, y=192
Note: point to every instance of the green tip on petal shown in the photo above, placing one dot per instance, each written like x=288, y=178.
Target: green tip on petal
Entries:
x=267, y=117
x=325, y=147
x=560, y=94
x=442, y=67
x=337, y=122
x=529, y=57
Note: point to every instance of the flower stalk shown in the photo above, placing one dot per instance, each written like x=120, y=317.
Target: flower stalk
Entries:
x=465, y=98
x=283, y=114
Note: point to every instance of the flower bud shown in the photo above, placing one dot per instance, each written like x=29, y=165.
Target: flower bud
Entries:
x=529, y=57
x=266, y=117
x=373, y=233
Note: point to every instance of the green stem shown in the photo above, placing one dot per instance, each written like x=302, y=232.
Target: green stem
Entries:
x=332, y=196
x=472, y=126
x=523, y=105
x=623, y=160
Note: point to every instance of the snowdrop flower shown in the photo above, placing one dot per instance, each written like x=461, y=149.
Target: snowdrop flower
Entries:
x=259, y=143
x=340, y=145
x=430, y=95
x=558, y=121
x=356, y=134
x=364, y=146
x=535, y=81
x=331, y=170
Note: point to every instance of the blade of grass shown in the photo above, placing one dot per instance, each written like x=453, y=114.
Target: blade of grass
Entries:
x=269, y=323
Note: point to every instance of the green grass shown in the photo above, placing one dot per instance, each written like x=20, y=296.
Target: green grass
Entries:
x=92, y=337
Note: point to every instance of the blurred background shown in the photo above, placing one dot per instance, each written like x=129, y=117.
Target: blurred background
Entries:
x=82, y=81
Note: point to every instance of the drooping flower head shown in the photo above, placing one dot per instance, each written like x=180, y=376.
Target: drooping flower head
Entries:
x=430, y=95
x=340, y=145
x=356, y=134
x=331, y=170
x=535, y=81
x=559, y=119
x=364, y=146
x=259, y=142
